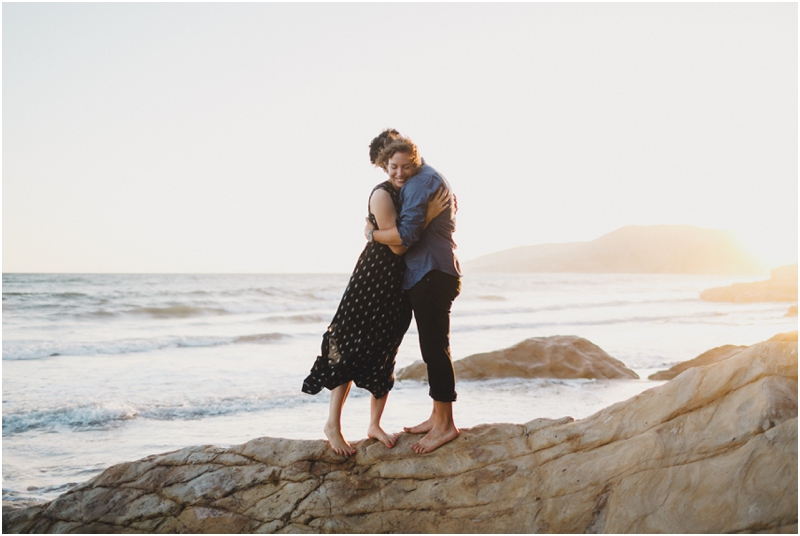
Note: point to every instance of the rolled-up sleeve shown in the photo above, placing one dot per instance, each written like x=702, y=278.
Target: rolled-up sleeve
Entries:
x=411, y=221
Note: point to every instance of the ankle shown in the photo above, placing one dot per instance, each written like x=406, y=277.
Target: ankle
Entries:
x=333, y=427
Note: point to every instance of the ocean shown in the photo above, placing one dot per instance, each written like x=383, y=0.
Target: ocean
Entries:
x=100, y=369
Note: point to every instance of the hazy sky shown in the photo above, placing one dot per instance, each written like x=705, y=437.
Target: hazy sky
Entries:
x=233, y=137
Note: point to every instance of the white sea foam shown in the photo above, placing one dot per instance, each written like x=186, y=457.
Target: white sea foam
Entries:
x=84, y=416
x=98, y=415
x=28, y=349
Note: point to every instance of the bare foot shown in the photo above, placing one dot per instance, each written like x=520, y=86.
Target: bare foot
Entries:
x=434, y=439
x=337, y=441
x=421, y=428
x=376, y=432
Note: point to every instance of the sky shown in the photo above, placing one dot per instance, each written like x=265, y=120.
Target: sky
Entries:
x=230, y=138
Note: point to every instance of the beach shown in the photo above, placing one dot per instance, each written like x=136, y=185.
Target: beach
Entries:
x=102, y=369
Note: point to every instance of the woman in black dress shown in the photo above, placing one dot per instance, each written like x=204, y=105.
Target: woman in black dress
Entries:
x=361, y=342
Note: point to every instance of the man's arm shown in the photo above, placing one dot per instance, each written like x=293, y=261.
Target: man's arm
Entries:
x=411, y=221
x=391, y=236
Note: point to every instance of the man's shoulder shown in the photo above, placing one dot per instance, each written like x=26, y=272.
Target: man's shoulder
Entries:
x=427, y=171
x=426, y=178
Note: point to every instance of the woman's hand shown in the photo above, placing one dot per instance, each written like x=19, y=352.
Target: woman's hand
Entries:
x=437, y=203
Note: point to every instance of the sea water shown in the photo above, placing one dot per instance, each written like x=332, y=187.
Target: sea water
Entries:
x=100, y=369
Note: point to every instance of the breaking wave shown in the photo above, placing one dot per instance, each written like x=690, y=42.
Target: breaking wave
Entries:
x=23, y=349
x=101, y=415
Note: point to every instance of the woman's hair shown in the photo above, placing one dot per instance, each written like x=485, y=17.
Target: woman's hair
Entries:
x=398, y=145
x=379, y=142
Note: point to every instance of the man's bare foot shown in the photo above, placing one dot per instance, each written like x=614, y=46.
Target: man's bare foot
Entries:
x=434, y=439
x=421, y=428
x=376, y=432
x=337, y=441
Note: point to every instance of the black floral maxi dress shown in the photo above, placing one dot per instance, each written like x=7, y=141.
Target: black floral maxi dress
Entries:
x=362, y=340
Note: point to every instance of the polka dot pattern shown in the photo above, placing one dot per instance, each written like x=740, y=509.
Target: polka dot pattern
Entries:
x=362, y=340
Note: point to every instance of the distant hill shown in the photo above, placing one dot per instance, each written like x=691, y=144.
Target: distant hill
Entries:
x=655, y=249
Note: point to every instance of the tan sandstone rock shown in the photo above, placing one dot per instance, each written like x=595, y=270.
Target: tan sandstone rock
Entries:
x=714, y=450
x=706, y=358
x=714, y=355
x=559, y=356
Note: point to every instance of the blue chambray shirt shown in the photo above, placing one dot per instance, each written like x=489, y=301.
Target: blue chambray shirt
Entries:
x=430, y=248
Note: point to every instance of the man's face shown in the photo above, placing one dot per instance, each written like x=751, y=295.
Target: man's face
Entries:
x=400, y=168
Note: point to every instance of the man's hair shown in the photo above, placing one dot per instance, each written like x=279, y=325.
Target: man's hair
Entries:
x=399, y=145
x=379, y=142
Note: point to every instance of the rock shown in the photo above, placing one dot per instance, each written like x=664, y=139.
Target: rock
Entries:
x=780, y=287
x=712, y=451
x=9, y=506
x=651, y=249
x=792, y=311
x=714, y=356
x=706, y=358
x=789, y=336
x=559, y=356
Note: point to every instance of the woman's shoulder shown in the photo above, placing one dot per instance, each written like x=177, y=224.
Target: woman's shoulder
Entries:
x=381, y=192
x=383, y=186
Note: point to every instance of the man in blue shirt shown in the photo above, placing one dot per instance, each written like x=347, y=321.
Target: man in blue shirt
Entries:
x=432, y=279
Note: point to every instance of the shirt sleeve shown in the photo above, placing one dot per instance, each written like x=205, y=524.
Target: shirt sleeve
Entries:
x=411, y=221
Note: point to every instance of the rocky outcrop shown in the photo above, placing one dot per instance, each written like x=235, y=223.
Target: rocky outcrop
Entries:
x=780, y=287
x=559, y=356
x=714, y=450
x=706, y=358
x=651, y=249
x=792, y=311
x=715, y=355
x=789, y=336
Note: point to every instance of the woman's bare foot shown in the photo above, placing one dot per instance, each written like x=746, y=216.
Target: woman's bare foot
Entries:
x=376, y=432
x=434, y=439
x=421, y=428
x=337, y=441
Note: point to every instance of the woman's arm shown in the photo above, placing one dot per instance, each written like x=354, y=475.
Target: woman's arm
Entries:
x=381, y=205
x=390, y=236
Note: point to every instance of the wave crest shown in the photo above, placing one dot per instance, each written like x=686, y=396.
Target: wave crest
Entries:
x=27, y=349
x=93, y=416
x=179, y=311
x=81, y=417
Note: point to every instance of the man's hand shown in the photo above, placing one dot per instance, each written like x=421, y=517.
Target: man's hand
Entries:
x=369, y=227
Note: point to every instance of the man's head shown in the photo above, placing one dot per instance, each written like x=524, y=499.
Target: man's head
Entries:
x=379, y=142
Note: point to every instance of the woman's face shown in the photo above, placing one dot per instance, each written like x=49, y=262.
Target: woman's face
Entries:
x=400, y=168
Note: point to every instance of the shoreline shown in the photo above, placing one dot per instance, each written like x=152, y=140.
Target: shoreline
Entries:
x=580, y=387
x=119, y=401
x=498, y=478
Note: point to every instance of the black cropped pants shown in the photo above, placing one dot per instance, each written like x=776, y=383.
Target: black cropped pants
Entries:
x=431, y=299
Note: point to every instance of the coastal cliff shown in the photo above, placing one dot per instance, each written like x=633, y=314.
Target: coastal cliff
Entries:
x=714, y=450
x=634, y=249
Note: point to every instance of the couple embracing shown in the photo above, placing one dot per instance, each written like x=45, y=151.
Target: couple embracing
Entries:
x=407, y=265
